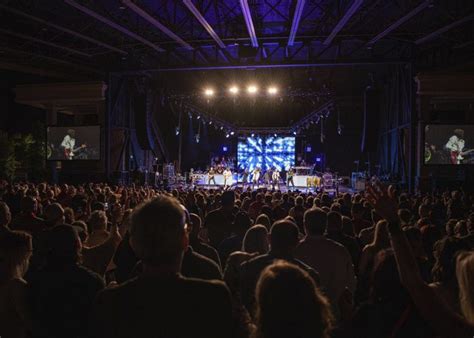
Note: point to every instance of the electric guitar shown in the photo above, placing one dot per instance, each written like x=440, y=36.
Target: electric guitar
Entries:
x=69, y=153
x=457, y=156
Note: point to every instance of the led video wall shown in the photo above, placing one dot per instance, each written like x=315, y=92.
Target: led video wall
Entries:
x=266, y=152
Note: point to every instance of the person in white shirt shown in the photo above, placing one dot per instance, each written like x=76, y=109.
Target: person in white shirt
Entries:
x=455, y=146
x=336, y=273
x=227, y=178
x=276, y=179
x=255, y=176
x=68, y=143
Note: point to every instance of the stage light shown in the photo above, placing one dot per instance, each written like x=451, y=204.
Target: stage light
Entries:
x=272, y=90
x=234, y=90
x=209, y=92
x=177, y=131
x=232, y=133
x=253, y=135
x=275, y=135
x=227, y=136
x=222, y=128
x=318, y=159
x=294, y=133
x=198, y=117
x=308, y=149
x=252, y=89
x=224, y=149
x=210, y=122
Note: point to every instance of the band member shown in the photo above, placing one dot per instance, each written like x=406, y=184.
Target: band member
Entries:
x=276, y=179
x=245, y=178
x=68, y=144
x=227, y=178
x=455, y=146
x=289, y=178
x=255, y=176
x=267, y=177
x=210, y=176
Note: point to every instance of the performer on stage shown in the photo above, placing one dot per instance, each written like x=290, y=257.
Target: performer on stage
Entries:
x=275, y=179
x=455, y=146
x=227, y=178
x=68, y=143
x=267, y=177
x=289, y=178
x=255, y=176
x=245, y=178
x=210, y=176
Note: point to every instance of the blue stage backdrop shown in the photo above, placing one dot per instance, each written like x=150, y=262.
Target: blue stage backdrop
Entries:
x=266, y=152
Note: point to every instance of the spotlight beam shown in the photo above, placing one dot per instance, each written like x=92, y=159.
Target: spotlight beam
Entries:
x=156, y=23
x=249, y=22
x=296, y=21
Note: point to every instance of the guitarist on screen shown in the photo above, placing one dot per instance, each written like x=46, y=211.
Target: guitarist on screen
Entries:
x=68, y=143
x=455, y=146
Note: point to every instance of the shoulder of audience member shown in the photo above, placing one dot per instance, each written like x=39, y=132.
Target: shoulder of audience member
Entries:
x=95, y=277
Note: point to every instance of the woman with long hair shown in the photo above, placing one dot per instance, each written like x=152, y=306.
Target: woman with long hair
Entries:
x=288, y=304
x=15, y=252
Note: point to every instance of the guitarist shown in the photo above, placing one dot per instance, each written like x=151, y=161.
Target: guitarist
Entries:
x=455, y=146
x=68, y=144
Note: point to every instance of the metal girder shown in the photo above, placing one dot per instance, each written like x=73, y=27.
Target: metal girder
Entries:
x=156, y=23
x=400, y=21
x=64, y=29
x=189, y=4
x=296, y=21
x=43, y=42
x=114, y=25
x=249, y=22
x=344, y=20
x=444, y=29
x=340, y=63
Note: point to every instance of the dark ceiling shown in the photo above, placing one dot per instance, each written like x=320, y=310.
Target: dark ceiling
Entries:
x=80, y=39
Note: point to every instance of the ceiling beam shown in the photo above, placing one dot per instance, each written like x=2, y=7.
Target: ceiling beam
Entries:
x=249, y=22
x=43, y=42
x=189, y=4
x=296, y=21
x=64, y=29
x=344, y=20
x=156, y=23
x=444, y=29
x=401, y=21
x=114, y=25
x=53, y=59
x=33, y=70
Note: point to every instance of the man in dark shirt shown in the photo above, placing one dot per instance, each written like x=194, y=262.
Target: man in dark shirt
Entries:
x=27, y=220
x=283, y=239
x=334, y=232
x=219, y=222
x=197, y=244
x=160, y=302
x=61, y=294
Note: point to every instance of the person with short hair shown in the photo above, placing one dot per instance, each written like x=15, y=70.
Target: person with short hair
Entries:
x=336, y=273
x=62, y=292
x=283, y=241
x=27, y=220
x=160, y=301
x=289, y=304
x=98, y=229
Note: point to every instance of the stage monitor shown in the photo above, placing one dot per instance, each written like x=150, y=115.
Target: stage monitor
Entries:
x=449, y=144
x=266, y=152
x=73, y=143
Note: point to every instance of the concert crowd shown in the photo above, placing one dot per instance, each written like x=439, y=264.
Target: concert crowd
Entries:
x=97, y=260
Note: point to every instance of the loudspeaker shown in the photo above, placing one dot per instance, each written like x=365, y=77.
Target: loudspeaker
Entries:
x=141, y=121
x=370, y=132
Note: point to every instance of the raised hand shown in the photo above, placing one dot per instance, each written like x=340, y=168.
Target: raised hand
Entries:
x=384, y=201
